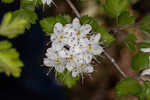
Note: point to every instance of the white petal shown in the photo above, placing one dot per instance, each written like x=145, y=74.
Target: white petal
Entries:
x=74, y=74
x=76, y=24
x=64, y=53
x=44, y=1
x=79, y=59
x=97, y=50
x=52, y=56
x=57, y=45
x=145, y=49
x=69, y=67
x=88, y=58
x=145, y=72
x=58, y=28
x=67, y=26
x=95, y=38
x=59, y=68
x=47, y=62
x=53, y=37
x=49, y=2
x=88, y=69
x=85, y=29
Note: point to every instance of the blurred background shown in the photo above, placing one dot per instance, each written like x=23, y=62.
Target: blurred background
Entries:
x=35, y=84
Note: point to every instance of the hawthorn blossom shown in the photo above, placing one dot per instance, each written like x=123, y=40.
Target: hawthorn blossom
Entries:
x=71, y=50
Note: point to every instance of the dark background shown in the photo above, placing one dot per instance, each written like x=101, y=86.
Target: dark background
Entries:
x=34, y=84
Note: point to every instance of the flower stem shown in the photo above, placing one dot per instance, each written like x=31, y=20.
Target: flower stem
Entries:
x=115, y=64
x=73, y=8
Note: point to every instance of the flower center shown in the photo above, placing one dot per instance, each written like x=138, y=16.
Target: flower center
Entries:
x=90, y=47
x=78, y=33
x=71, y=57
x=81, y=65
x=57, y=61
x=61, y=37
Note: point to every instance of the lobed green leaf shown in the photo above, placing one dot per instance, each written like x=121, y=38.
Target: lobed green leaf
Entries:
x=126, y=19
x=126, y=87
x=9, y=60
x=12, y=27
x=130, y=41
x=145, y=24
x=114, y=8
x=67, y=79
x=140, y=61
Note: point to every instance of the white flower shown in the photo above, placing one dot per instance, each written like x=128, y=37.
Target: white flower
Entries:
x=145, y=49
x=83, y=30
x=48, y=2
x=71, y=50
x=93, y=45
x=58, y=64
x=146, y=72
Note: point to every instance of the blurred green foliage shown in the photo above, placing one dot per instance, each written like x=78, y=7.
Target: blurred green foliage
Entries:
x=140, y=61
x=9, y=60
x=128, y=86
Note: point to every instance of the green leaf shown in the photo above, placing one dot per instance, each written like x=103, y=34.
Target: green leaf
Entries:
x=9, y=60
x=145, y=93
x=67, y=79
x=30, y=4
x=12, y=27
x=7, y=1
x=115, y=7
x=5, y=45
x=26, y=14
x=127, y=87
x=140, y=61
x=131, y=42
x=125, y=19
x=47, y=24
x=145, y=24
x=106, y=38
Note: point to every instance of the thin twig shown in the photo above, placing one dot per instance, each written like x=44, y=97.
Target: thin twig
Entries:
x=73, y=8
x=106, y=54
x=115, y=64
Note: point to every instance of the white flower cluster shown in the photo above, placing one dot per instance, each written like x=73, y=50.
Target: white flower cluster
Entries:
x=71, y=49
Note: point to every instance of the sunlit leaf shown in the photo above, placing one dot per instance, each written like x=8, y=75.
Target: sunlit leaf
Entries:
x=10, y=63
x=7, y=1
x=12, y=27
x=26, y=14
